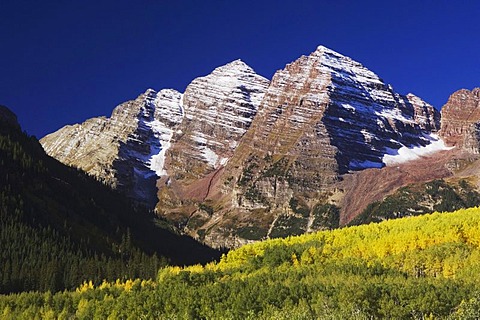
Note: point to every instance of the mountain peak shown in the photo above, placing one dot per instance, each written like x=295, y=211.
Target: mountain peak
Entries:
x=237, y=62
x=322, y=50
x=150, y=91
x=254, y=147
x=219, y=108
x=235, y=66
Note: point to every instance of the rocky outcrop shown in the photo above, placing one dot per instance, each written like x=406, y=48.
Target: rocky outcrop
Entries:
x=461, y=120
x=424, y=114
x=126, y=150
x=322, y=116
x=129, y=149
x=219, y=108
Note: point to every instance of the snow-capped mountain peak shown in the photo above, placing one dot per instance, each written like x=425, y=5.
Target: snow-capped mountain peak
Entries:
x=250, y=147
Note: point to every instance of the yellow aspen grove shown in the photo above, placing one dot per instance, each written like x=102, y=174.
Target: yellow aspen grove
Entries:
x=421, y=267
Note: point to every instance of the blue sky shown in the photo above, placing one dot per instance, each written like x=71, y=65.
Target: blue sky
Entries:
x=62, y=62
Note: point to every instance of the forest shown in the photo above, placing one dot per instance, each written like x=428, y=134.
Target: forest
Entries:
x=60, y=227
x=423, y=267
x=417, y=199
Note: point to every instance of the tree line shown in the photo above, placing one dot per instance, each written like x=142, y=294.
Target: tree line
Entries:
x=411, y=268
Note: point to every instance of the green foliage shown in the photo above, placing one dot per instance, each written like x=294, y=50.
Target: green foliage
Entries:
x=196, y=221
x=299, y=207
x=326, y=216
x=254, y=195
x=252, y=233
x=248, y=172
x=414, y=268
x=279, y=168
x=205, y=207
x=60, y=227
x=469, y=309
x=54, y=233
x=201, y=234
x=436, y=195
x=286, y=225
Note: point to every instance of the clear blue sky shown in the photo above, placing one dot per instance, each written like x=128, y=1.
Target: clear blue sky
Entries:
x=62, y=62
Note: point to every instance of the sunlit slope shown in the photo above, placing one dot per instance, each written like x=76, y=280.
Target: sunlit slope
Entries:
x=435, y=244
x=423, y=267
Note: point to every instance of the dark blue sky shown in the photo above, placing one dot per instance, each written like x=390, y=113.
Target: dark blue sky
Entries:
x=62, y=62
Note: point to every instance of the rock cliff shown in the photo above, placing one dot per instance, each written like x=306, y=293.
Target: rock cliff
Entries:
x=322, y=116
x=238, y=158
x=219, y=109
x=126, y=150
x=129, y=149
x=461, y=120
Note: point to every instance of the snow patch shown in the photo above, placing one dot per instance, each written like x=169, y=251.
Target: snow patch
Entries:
x=405, y=154
x=348, y=106
x=210, y=156
x=367, y=136
x=223, y=161
x=157, y=161
x=395, y=114
x=167, y=107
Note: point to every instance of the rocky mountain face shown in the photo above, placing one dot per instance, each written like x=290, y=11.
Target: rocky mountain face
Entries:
x=126, y=150
x=445, y=181
x=237, y=158
x=323, y=116
x=461, y=120
x=129, y=149
x=219, y=109
x=329, y=99
x=420, y=198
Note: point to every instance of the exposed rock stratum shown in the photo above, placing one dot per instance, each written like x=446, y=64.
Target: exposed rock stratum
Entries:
x=237, y=158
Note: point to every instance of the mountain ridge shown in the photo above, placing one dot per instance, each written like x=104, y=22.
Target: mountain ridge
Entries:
x=293, y=151
x=252, y=158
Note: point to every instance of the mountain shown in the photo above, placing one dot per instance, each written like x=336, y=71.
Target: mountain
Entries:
x=446, y=181
x=322, y=116
x=415, y=199
x=126, y=150
x=60, y=227
x=219, y=109
x=238, y=158
x=202, y=127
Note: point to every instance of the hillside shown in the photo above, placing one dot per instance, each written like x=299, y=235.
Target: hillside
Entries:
x=59, y=227
x=410, y=268
x=417, y=199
